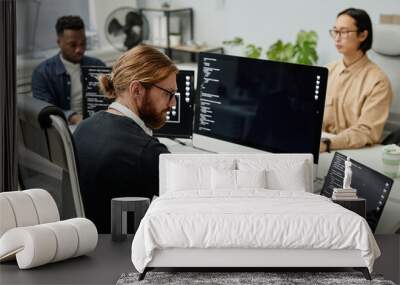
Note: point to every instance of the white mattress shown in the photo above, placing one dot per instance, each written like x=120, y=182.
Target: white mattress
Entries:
x=250, y=219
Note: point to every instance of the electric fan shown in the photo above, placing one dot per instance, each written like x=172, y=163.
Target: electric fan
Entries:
x=125, y=28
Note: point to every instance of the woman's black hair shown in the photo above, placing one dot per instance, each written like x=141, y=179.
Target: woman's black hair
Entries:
x=363, y=23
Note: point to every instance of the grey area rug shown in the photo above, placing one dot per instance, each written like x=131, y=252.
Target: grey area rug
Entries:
x=229, y=278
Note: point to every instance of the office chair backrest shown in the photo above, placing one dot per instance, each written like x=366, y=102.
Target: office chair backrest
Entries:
x=46, y=154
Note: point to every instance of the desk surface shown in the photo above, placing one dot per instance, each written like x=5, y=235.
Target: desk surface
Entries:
x=102, y=266
x=181, y=146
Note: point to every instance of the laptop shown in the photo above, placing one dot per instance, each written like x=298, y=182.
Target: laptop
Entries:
x=371, y=185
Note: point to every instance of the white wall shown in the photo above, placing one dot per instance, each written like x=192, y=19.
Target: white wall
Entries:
x=99, y=10
x=32, y=51
x=36, y=20
x=258, y=21
x=264, y=21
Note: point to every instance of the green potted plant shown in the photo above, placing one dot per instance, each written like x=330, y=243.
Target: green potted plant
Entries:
x=251, y=50
x=303, y=51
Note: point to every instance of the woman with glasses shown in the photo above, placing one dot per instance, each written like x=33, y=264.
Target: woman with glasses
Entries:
x=359, y=93
x=117, y=154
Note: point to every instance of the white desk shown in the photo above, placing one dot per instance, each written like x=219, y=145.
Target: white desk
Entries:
x=176, y=147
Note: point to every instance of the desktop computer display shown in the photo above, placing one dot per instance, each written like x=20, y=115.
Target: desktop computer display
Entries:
x=179, y=120
x=265, y=105
x=93, y=100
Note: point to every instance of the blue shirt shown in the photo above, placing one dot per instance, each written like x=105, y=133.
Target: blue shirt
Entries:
x=51, y=82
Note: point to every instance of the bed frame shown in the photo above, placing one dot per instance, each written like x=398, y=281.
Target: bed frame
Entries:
x=242, y=259
x=246, y=258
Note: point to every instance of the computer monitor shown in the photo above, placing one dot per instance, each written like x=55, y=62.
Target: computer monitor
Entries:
x=371, y=185
x=179, y=120
x=93, y=100
x=258, y=104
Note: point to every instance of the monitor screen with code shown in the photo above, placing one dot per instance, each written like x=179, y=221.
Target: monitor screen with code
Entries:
x=179, y=120
x=93, y=100
x=266, y=105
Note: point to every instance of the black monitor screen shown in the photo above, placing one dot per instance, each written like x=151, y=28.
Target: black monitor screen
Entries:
x=371, y=185
x=272, y=106
x=180, y=119
x=93, y=99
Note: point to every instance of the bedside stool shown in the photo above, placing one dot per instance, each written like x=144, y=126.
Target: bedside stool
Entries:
x=119, y=209
x=358, y=205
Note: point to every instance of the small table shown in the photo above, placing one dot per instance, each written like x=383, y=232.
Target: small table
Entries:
x=358, y=205
x=119, y=209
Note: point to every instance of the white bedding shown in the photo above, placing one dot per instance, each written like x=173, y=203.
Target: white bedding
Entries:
x=250, y=218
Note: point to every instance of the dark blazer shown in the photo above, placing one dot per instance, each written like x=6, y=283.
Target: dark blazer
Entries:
x=51, y=82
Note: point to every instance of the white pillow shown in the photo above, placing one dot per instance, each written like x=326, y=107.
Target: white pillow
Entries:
x=226, y=179
x=282, y=174
x=193, y=174
x=182, y=177
x=251, y=178
x=289, y=179
x=223, y=179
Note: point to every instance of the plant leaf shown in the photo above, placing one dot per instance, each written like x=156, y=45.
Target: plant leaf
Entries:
x=237, y=41
x=253, y=51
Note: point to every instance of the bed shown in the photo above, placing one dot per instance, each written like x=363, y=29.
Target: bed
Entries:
x=246, y=211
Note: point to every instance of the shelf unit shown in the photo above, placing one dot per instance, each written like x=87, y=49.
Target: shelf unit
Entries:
x=192, y=49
